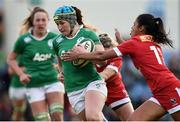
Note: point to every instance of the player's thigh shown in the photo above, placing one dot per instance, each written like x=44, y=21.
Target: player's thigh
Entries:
x=55, y=93
x=148, y=111
x=95, y=97
x=82, y=115
x=124, y=111
x=94, y=101
x=17, y=93
x=36, y=98
x=19, y=102
x=55, y=97
x=176, y=116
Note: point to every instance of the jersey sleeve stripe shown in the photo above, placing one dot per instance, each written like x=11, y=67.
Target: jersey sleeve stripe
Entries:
x=117, y=51
x=178, y=91
x=113, y=67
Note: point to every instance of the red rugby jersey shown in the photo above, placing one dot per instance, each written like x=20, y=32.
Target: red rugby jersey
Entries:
x=147, y=57
x=115, y=64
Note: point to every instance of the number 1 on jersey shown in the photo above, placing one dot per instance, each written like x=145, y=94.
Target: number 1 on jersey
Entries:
x=155, y=50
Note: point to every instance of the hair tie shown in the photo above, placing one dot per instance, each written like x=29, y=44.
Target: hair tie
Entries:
x=157, y=20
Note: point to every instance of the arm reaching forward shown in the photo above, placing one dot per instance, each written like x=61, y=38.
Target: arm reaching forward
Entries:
x=78, y=53
x=119, y=39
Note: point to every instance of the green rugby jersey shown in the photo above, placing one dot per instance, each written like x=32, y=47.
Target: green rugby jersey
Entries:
x=38, y=57
x=15, y=82
x=76, y=78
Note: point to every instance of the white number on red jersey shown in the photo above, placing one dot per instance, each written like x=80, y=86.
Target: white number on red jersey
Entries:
x=178, y=91
x=155, y=50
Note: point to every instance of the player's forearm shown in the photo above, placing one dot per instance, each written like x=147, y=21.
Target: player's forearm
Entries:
x=59, y=64
x=96, y=56
x=12, y=72
x=14, y=65
x=100, y=62
x=107, y=73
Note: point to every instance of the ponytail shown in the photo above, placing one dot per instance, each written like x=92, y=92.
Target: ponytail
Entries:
x=154, y=26
x=80, y=19
x=160, y=33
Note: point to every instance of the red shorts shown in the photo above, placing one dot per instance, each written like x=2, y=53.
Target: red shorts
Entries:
x=169, y=98
x=117, y=95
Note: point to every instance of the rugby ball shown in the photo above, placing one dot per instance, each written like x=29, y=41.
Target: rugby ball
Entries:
x=88, y=45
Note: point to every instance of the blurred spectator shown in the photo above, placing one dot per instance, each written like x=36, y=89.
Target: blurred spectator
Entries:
x=5, y=105
x=1, y=28
x=174, y=63
x=134, y=81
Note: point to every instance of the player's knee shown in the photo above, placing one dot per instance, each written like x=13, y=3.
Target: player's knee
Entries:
x=44, y=116
x=56, y=110
x=18, y=112
x=19, y=108
x=176, y=116
x=56, y=107
x=56, y=116
x=94, y=116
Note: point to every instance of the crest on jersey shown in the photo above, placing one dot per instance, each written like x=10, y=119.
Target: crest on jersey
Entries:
x=59, y=39
x=27, y=39
x=50, y=44
x=173, y=101
x=146, y=38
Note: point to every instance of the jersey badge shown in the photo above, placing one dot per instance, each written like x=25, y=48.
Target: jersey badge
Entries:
x=98, y=86
x=27, y=39
x=50, y=44
x=59, y=39
x=173, y=101
x=146, y=38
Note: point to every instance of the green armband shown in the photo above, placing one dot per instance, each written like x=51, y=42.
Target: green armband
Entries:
x=42, y=117
x=56, y=107
x=19, y=108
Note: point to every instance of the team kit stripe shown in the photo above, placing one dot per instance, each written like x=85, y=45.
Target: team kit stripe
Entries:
x=113, y=67
x=117, y=51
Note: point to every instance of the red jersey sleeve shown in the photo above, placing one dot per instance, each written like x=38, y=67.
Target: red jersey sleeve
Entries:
x=115, y=64
x=125, y=48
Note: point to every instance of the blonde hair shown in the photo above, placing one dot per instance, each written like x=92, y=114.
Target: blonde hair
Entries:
x=28, y=22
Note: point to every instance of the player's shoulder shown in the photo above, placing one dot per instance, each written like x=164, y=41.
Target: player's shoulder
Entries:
x=135, y=40
x=25, y=38
x=87, y=31
x=24, y=35
x=58, y=39
x=143, y=38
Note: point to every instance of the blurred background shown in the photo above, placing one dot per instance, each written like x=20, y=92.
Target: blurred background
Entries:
x=105, y=15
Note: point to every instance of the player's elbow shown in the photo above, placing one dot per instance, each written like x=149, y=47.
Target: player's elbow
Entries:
x=101, y=57
x=10, y=59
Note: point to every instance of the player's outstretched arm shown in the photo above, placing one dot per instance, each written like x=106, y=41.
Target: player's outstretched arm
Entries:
x=119, y=39
x=76, y=53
